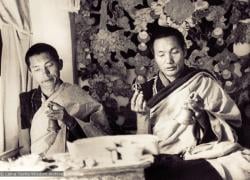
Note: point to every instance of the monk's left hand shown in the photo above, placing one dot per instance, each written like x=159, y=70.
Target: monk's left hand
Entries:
x=192, y=110
x=196, y=104
x=57, y=112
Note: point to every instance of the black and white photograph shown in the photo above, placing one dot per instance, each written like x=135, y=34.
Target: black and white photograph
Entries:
x=125, y=89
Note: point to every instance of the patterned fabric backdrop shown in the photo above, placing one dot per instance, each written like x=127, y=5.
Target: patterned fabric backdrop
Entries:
x=112, y=47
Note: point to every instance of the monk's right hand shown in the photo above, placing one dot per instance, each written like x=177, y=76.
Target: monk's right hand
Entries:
x=138, y=103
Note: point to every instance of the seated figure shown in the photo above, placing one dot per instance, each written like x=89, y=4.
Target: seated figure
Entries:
x=190, y=113
x=56, y=111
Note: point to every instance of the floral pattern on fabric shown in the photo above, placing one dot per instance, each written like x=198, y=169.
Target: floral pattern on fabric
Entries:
x=112, y=42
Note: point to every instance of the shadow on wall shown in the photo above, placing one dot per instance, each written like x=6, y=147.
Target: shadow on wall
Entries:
x=1, y=46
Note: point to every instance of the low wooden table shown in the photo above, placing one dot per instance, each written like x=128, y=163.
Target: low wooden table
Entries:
x=120, y=172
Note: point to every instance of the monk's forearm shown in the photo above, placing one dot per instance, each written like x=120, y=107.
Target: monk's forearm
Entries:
x=143, y=124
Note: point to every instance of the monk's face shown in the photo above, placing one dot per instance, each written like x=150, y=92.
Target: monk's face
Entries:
x=169, y=56
x=45, y=70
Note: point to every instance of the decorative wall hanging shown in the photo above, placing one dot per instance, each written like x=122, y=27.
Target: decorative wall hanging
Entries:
x=112, y=49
